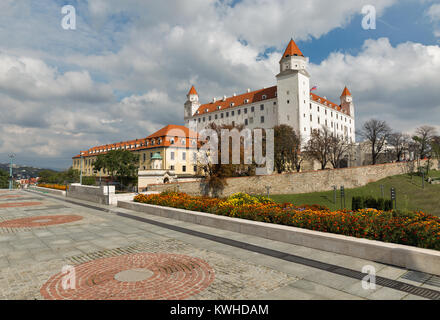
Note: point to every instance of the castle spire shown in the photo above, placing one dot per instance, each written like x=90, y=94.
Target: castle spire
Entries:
x=292, y=50
x=346, y=92
x=192, y=91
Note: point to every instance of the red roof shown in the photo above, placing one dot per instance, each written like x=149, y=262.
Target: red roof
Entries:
x=324, y=101
x=346, y=92
x=232, y=102
x=192, y=91
x=292, y=50
x=174, y=131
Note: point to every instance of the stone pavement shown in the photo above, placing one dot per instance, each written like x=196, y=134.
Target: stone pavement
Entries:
x=53, y=249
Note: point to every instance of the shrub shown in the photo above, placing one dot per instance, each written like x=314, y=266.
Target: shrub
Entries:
x=371, y=203
x=53, y=186
x=409, y=228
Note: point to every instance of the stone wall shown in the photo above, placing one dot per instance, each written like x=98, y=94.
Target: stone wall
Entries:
x=303, y=182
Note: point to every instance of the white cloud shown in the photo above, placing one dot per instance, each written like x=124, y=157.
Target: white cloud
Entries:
x=398, y=84
x=434, y=14
x=60, y=87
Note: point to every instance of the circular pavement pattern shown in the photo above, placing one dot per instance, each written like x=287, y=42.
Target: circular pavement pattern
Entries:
x=19, y=204
x=39, y=221
x=142, y=276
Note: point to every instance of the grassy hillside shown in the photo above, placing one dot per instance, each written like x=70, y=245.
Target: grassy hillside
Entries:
x=410, y=194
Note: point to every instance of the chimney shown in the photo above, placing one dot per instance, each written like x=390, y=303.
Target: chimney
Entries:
x=235, y=94
x=248, y=90
x=224, y=98
x=214, y=99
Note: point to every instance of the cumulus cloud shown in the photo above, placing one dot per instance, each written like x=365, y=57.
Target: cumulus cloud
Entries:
x=125, y=71
x=398, y=84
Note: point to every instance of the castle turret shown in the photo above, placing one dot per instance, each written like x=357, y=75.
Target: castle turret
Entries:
x=347, y=102
x=293, y=88
x=192, y=103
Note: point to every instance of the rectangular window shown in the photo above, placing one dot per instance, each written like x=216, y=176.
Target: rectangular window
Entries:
x=183, y=155
x=209, y=118
x=172, y=168
x=262, y=107
x=222, y=115
x=145, y=157
x=227, y=114
x=245, y=110
x=195, y=169
x=184, y=168
x=172, y=155
x=239, y=112
x=216, y=116
x=200, y=119
x=246, y=122
x=252, y=109
x=262, y=119
x=204, y=119
x=232, y=113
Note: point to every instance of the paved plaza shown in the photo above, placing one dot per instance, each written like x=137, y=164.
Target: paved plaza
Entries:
x=58, y=248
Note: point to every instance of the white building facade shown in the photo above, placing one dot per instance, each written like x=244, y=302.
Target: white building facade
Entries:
x=290, y=102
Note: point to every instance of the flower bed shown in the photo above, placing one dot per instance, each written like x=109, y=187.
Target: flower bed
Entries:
x=415, y=229
x=53, y=186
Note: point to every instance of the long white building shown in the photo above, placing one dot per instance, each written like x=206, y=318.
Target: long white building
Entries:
x=290, y=102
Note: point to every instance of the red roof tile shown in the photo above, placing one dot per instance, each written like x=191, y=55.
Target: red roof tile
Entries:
x=240, y=100
x=192, y=91
x=292, y=50
x=346, y=92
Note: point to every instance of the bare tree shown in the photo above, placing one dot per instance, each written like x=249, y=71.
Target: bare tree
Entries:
x=424, y=136
x=338, y=148
x=318, y=147
x=400, y=142
x=376, y=132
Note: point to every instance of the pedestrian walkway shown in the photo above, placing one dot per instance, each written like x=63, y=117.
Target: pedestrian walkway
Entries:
x=120, y=254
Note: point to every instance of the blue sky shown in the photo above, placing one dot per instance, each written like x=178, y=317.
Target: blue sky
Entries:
x=125, y=71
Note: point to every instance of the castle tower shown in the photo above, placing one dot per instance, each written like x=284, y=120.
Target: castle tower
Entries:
x=293, y=89
x=347, y=102
x=192, y=104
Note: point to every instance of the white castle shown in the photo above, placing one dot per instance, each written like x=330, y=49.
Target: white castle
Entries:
x=290, y=102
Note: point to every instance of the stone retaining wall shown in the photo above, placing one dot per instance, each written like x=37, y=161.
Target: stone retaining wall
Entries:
x=302, y=182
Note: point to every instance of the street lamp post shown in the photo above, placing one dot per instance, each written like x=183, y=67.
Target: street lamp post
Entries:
x=11, y=156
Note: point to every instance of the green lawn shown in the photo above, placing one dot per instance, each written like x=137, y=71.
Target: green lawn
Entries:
x=410, y=194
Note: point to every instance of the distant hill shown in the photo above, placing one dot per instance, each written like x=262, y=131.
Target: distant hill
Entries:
x=22, y=172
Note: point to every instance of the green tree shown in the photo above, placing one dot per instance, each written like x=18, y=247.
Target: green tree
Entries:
x=4, y=179
x=121, y=165
x=287, y=149
x=71, y=175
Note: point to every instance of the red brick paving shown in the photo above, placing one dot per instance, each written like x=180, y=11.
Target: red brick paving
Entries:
x=39, y=221
x=19, y=204
x=10, y=196
x=175, y=277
